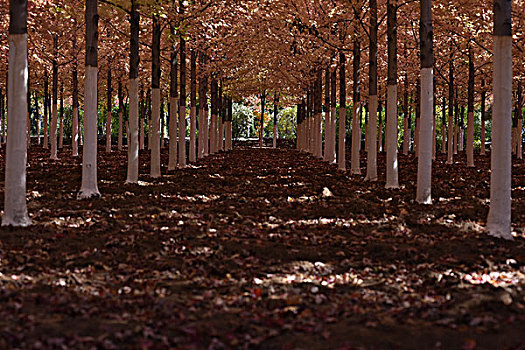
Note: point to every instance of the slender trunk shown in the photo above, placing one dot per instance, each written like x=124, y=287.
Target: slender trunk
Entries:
x=214, y=115
x=220, y=120
x=499, y=218
x=318, y=115
x=15, y=207
x=470, y=115
x=206, y=112
x=327, y=117
x=109, y=107
x=228, y=125
x=202, y=125
x=174, y=105
x=333, y=117
x=142, y=121
x=133, y=88
x=424, y=168
x=371, y=168
x=120, y=111
x=261, y=125
x=406, y=129
x=418, y=117
x=483, y=107
x=443, y=126
x=341, y=155
x=74, y=127
x=89, y=186
x=275, y=111
x=451, y=127
x=182, y=108
x=155, y=100
x=519, y=116
x=391, y=104
x=54, y=112
x=46, y=111
x=193, y=111
x=356, y=115
x=61, y=125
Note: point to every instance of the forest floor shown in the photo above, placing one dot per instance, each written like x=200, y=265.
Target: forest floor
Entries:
x=266, y=249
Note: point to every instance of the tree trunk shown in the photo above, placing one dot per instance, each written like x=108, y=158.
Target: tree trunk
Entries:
x=519, y=135
x=356, y=115
x=470, y=112
x=341, y=154
x=174, y=105
x=220, y=119
x=406, y=125
x=261, y=125
x=54, y=112
x=193, y=103
x=275, y=111
x=89, y=186
x=15, y=207
x=109, y=107
x=74, y=127
x=182, y=110
x=133, y=88
x=46, y=110
x=483, y=107
x=451, y=127
x=443, y=126
x=424, y=168
x=214, y=115
x=202, y=125
x=499, y=218
x=333, y=117
x=318, y=115
x=120, y=111
x=371, y=168
x=155, y=101
x=142, y=121
x=391, y=104
x=61, y=125
x=327, y=117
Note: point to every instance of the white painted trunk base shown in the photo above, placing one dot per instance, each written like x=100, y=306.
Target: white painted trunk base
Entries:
x=356, y=140
x=155, y=133
x=228, y=135
x=213, y=134
x=108, y=132
x=172, y=145
x=392, y=164
x=341, y=154
x=450, y=152
x=74, y=131
x=53, y=132
x=470, y=139
x=424, y=165
x=520, y=138
x=206, y=133
x=15, y=207
x=89, y=186
x=119, y=141
x=193, y=134
x=200, y=145
x=371, y=168
x=182, y=137
x=220, y=141
x=499, y=218
x=133, y=132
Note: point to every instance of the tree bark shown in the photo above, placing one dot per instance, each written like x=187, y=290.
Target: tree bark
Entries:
x=341, y=154
x=275, y=112
x=120, y=111
x=483, y=117
x=470, y=112
x=371, y=168
x=174, y=104
x=451, y=127
x=499, y=218
x=424, y=169
x=193, y=111
x=89, y=186
x=356, y=116
x=154, y=142
x=133, y=88
x=392, y=171
x=75, y=128
x=15, y=207
x=61, y=125
x=109, y=107
x=182, y=108
x=54, y=111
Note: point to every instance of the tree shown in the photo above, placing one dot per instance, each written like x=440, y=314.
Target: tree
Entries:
x=15, y=207
x=498, y=221
x=89, y=187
